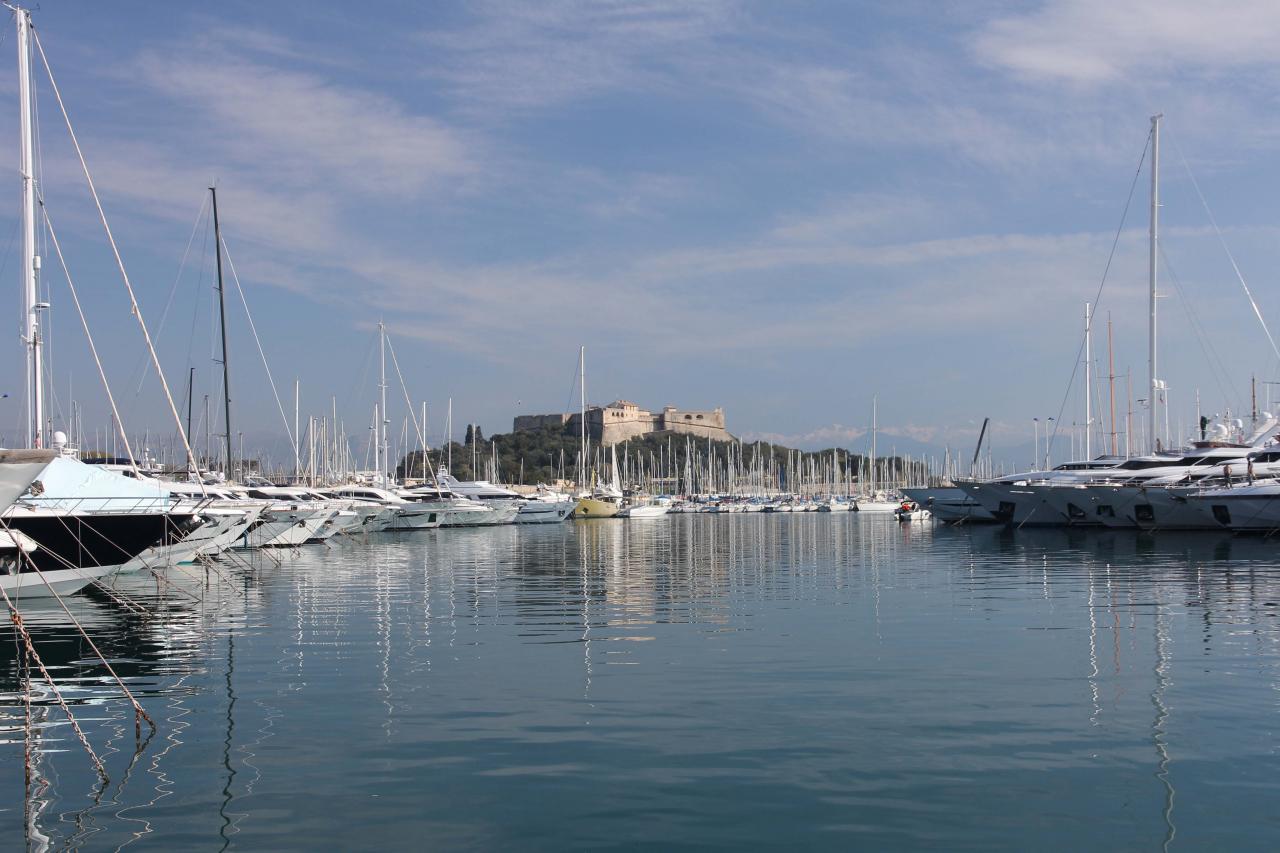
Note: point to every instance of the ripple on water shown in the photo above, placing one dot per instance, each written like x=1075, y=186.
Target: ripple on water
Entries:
x=735, y=681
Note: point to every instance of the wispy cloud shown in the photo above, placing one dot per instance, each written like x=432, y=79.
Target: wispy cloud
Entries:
x=717, y=183
x=305, y=130
x=1094, y=41
x=523, y=57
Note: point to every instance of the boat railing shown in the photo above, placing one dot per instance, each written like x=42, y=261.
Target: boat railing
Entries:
x=103, y=504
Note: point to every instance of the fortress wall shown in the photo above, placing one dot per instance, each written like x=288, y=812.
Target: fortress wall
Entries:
x=718, y=433
x=611, y=424
x=678, y=419
x=623, y=420
x=537, y=422
x=623, y=430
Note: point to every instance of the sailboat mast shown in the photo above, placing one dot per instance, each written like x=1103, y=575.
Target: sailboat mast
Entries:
x=297, y=436
x=1111, y=377
x=30, y=260
x=222, y=317
x=582, y=415
x=1088, y=382
x=1154, y=249
x=382, y=385
x=191, y=392
x=873, y=443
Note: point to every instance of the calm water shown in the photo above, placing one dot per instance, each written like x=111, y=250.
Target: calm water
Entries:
x=815, y=681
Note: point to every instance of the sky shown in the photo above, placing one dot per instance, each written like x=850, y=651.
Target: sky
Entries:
x=781, y=209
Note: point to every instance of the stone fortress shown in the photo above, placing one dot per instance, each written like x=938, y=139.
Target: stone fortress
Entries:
x=622, y=419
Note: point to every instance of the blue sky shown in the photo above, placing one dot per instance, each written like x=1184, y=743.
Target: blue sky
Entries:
x=782, y=209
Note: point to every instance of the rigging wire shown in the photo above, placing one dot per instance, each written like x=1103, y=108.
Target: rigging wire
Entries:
x=195, y=312
x=422, y=438
x=404, y=388
x=1217, y=367
x=364, y=374
x=1234, y=266
x=253, y=328
x=102, y=215
x=568, y=407
x=1097, y=298
x=115, y=411
x=144, y=366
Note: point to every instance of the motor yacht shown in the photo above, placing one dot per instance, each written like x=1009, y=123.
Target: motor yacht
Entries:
x=545, y=507
x=399, y=511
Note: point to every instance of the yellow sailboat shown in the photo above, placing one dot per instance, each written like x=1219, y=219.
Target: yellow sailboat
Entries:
x=604, y=501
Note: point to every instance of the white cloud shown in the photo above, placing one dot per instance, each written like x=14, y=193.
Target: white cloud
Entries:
x=536, y=56
x=857, y=217
x=306, y=130
x=1094, y=41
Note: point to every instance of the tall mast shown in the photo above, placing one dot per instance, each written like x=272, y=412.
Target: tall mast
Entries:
x=1111, y=378
x=1155, y=236
x=222, y=317
x=30, y=260
x=1253, y=402
x=297, y=437
x=1088, y=382
x=582, y=416
x=382, y=385
x=191, y=392
x=873, y=445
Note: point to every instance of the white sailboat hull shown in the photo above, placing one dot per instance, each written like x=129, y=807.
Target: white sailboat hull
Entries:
x=643, y=512
x=544, y=512
x=30, y=585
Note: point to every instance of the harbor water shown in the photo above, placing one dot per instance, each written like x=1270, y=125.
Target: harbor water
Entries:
x=733, y=681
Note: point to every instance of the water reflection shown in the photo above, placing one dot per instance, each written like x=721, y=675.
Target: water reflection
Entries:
x=747, y=679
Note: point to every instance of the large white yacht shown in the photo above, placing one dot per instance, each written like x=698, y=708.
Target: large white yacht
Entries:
x=88, y=523
x=547, y=506
x=505, y=503
x=1247, y=506
x=455, y=509
x=1115, y=492
x=399, y=512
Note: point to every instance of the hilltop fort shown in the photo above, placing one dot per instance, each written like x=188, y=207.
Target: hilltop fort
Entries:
x=622, y=419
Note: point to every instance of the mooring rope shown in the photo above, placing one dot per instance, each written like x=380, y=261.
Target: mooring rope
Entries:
x=16, y=618
x=139, y=712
